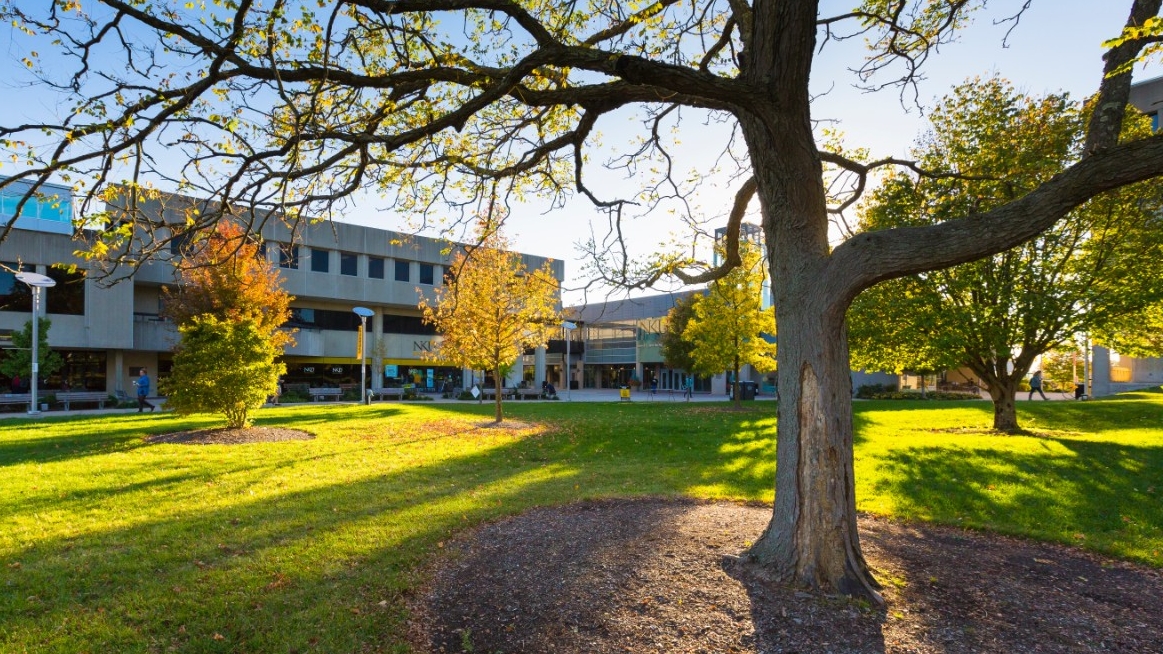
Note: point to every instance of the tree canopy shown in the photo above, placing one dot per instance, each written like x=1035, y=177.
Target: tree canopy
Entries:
x=491, y=307
x=225, y=273
x=677, y=350
x=292, y=109
x=18, y=360
x=229, y=308
x=729, y=323
x=997, y=315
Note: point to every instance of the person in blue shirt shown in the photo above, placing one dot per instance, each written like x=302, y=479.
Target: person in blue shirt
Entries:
x=1036, y=386
x=142, y=384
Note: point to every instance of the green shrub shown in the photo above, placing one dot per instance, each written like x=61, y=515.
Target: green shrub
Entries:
x=871, y=391
x=224, y=367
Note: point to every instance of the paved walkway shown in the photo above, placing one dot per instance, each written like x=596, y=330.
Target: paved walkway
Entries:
x=580, y=395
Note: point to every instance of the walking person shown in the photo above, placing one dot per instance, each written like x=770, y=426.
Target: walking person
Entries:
x=688, y=386
x=1036, y=385
x=142, y=384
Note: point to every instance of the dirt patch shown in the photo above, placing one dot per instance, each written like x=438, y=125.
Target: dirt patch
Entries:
x=228, y=436
x=656, y=576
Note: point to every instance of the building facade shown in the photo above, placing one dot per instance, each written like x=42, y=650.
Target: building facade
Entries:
x=105, y=333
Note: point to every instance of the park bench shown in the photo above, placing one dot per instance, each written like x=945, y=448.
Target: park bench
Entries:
x=323, y=393
x=491, y=393
x=100, y=397
x=528, y=393
x=16, y=398
x=389, y=393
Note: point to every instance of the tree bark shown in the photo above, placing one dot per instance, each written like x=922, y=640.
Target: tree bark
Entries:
x=1005, y=413
x=498, y=384
x=812, y=540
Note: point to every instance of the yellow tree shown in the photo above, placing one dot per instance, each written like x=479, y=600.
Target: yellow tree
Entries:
x=229, y=309
x=492, y=308
x=729, y=322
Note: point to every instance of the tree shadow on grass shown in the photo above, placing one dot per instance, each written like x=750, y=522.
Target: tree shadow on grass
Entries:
x=1101, y=496
x=211, y=554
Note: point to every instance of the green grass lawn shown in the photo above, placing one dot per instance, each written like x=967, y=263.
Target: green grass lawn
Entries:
x=108, y=543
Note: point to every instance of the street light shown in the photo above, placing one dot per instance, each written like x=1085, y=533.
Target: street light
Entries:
x=363, y=313
x=568, y=326
x=35, y=281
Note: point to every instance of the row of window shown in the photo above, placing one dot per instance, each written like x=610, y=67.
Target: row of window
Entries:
x=49, y=205
x=349, y=322
x=349, y=264
x=321, y=262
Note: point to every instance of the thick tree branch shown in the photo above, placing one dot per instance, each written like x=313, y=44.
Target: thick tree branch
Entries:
x=868, y=258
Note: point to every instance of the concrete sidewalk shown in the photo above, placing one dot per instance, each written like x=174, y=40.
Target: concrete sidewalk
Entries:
x=580, y=395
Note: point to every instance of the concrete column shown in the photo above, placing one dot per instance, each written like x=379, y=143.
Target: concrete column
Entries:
x=118, y=370
x=1100, y=371
x=377, y=327
x=538, y=366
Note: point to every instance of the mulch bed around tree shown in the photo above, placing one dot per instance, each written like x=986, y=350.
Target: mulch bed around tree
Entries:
x=657, y=576
x=228, y=436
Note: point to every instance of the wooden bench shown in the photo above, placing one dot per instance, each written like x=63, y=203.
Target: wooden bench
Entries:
x=491, y=393
x=389, y=393
x=528, y=393
x=323, y=393
x=100, y=397
x=16, y=398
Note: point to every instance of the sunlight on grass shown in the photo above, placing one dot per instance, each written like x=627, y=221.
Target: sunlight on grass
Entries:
x=111, y=543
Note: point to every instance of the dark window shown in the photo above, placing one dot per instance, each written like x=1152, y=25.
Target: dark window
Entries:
x=407, y=325
x=180, y=244
x=288, y=256
x=15, y=295
x=68, y=296
x=262, y=250
x=375, y=267
x=323, y=319
x=426, y=273
x=83, y=371
x=347, y=264
x=320, y=260
x=402, y=274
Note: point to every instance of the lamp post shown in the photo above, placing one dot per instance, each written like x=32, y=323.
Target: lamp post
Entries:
x=363, y=313
x=35, y=281
x=568, y=326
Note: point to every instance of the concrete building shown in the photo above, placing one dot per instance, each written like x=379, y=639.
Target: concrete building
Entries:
x=106, y=333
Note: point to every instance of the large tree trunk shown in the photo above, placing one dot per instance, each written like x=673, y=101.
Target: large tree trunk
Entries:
x=812, y=540
x=1005, y=413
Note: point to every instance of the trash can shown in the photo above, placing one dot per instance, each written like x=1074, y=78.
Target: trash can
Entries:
x=747, y=390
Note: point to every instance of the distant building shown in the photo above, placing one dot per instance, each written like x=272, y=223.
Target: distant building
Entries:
x=105, y=334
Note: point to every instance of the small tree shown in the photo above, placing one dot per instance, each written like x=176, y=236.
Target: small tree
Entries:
x=229, y=309
x=729, y=324
x=223, y=367
x=225, y=274
x=491, y=308
x=18, y=361
x=676, y=349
